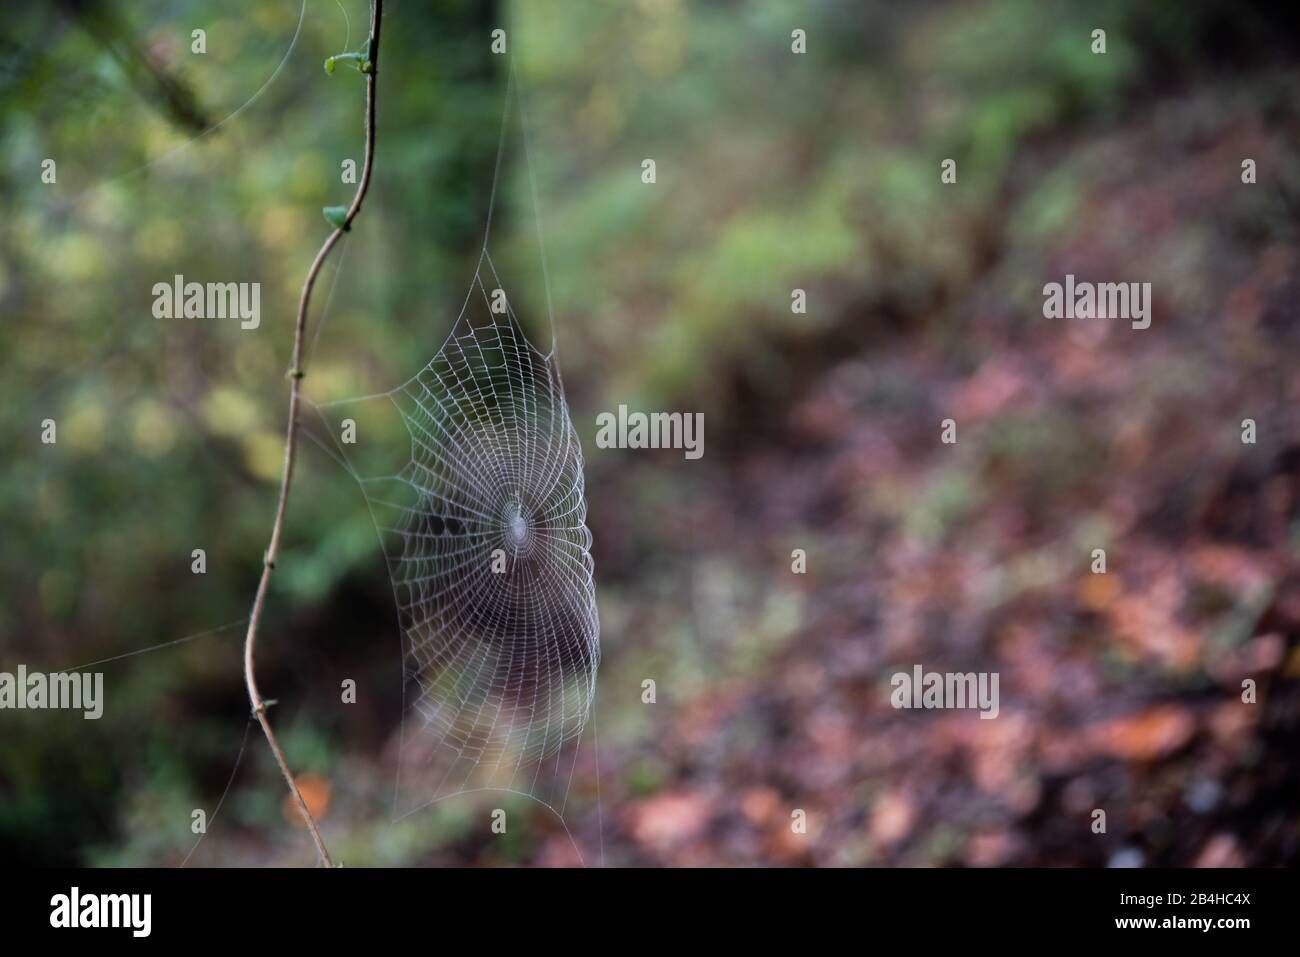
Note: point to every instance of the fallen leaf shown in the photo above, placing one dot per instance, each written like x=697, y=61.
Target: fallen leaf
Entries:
x=669, y=819
x=891, y=818
x=315, y=792
x=1147, y=735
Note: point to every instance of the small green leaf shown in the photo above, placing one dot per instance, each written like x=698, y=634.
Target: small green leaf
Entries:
x=337, y=216
x=358, y=60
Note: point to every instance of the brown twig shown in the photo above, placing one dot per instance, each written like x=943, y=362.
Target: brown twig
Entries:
x=296, y=373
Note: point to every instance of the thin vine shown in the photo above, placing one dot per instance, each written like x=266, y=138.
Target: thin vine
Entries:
x=341, y=220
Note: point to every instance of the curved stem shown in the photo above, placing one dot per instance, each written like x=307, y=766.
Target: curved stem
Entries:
x=296, y=373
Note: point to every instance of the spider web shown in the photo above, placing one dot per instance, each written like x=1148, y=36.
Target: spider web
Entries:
x=484, y=534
